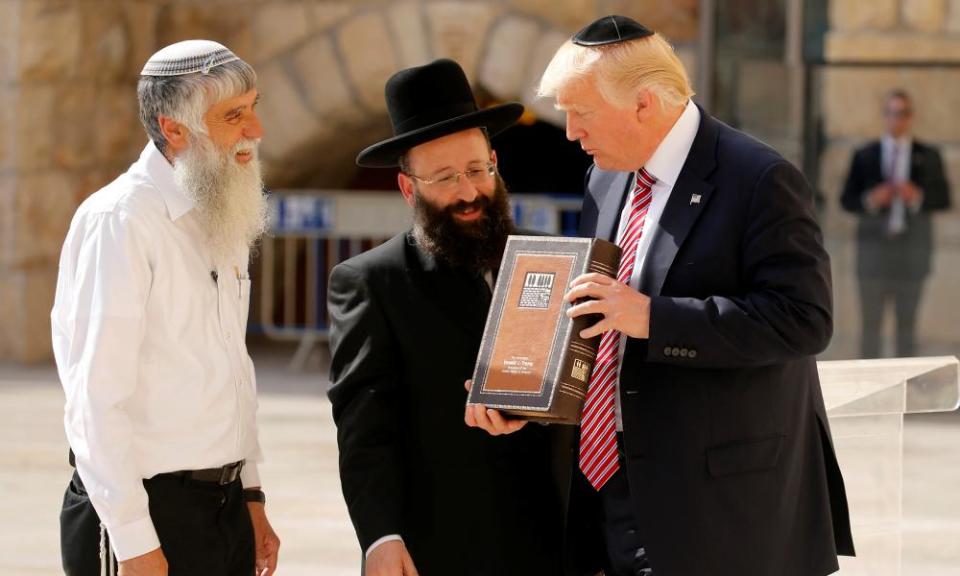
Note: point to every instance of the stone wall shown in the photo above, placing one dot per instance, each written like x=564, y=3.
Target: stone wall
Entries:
x=68, y=118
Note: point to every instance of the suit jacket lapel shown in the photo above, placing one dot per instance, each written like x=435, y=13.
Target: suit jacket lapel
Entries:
x=689, y=198
x=613, y=201
x=455, y=294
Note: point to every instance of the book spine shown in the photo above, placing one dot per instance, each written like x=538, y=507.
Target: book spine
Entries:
x=581, y=353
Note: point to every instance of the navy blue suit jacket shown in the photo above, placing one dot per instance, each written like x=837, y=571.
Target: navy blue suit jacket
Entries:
x=728, y=451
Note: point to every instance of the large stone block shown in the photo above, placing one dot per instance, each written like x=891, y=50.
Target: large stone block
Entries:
x=924, y=15
x=8, y=127
x=543, y=52
x=51, y=40
x=569, y=16
x=221, y=22
x=104, y=54
x=504, y=68
x=27, y=297
x=951, y=162
x=328, y=14
x=43, y=205
x=34, y=136
x=407, y=27
x=459, y=31
x=8, y=188
x=891, y=47
x=318, y=68
x=12, y=310
x=853, y=100
x=678, y=21
x=288, y=122
x=834, y=166
x=119, y=136
x=846, y=15
x=277, y=27
x=141, y=22
x=9, y=36
x=953, y=17
x=364, y=42
x=74, y=125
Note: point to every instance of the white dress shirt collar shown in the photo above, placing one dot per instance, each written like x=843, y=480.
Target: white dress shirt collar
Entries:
x=160, y=170
x=670, y=155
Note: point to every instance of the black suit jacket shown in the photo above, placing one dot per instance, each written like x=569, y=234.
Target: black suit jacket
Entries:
x=404, y=337
x=907, y=255
x=728, y=450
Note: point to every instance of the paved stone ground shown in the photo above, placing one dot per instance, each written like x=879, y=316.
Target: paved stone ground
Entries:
x=300, y=474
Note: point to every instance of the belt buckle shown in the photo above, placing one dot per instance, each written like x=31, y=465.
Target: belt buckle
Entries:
x=230, y=472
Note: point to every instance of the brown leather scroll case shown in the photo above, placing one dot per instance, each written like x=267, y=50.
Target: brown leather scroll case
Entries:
x=533, y=364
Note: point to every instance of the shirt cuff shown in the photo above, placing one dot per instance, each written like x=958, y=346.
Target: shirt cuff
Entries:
x=133, y=539
x=380, y=541
x=250, y=475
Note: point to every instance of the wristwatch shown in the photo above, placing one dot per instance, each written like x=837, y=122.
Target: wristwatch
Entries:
x=254, y=495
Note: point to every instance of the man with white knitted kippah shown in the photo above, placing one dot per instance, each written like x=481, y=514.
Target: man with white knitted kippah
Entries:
x=148, y=333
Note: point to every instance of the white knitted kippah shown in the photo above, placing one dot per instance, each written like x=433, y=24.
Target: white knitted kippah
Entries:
x=188, y=57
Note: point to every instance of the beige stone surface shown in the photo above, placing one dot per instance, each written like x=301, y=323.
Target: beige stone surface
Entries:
x=316, y=65
x=504, y=68
x=43, y=205
x=891, y=47
x=287, y=121
x=952, y=24
x=105, y=39
x=545, y=48
x=364, y=42
x=924, y=15
x=763, y=90
x=119, y=135
x=834, y=165
x=39, y=285
x=677, y=20
x=860, y=15
x=141, y=21
x=10, y=307
x=569, y=16
x=277, y=27
x=221, y=21
x=853, y=99
x=35, y=127
x=8, y=126
x=9, y=38
x=689, y=56
x=50, y=40
x=459, y=30
x=406, y=21
x=74, y=124
x=325, y=14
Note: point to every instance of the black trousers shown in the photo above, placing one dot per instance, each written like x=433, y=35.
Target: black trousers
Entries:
x=904, y=297
x=625, y=553
x=204, y=528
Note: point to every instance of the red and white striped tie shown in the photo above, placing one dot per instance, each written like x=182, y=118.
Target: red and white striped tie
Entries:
x=598, y=434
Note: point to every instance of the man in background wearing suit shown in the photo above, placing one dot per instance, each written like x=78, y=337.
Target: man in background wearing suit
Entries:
x=703, y=446
x=407, y=318
x=893, y=185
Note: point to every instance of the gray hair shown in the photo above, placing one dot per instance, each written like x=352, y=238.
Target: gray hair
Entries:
x=187, y=98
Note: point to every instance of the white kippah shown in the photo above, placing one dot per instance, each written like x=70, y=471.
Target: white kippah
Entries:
x=188, y=57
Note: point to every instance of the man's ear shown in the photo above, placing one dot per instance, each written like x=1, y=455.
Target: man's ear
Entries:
x=175, y=133
x=645, y=104
x=406, y=187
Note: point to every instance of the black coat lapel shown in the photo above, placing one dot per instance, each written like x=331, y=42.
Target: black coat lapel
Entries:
x=609, y=214
x=689, y=198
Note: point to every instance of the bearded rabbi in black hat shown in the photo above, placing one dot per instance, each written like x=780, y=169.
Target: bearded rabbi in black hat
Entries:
x=427, y=494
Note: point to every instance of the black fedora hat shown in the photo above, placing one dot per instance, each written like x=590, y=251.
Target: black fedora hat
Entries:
x=428, y=102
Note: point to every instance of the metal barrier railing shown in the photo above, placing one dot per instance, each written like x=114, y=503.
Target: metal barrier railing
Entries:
x=312, y=231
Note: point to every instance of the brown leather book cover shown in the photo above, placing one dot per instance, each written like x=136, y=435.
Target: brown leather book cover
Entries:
x=532, y=363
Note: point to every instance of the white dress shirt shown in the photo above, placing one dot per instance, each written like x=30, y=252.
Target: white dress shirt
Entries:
x=664, y=165
x=895, y=165
x=150, y=348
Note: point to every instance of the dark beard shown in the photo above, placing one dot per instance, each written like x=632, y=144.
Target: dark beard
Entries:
x=472, y=246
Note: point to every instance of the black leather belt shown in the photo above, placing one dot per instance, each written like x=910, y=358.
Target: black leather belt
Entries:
x=226, y=474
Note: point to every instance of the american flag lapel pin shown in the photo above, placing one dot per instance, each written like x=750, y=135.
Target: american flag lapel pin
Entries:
x=694, y=199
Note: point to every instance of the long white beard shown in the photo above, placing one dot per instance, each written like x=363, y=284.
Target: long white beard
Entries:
x=228, y=196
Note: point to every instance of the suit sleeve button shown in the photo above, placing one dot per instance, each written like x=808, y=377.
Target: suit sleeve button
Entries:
x=675, y=351
x=667, y=351
x=684, y=352
x=693, y=354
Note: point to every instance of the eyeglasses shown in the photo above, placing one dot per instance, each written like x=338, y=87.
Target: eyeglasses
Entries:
x=451, y=181
x=902, y=113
